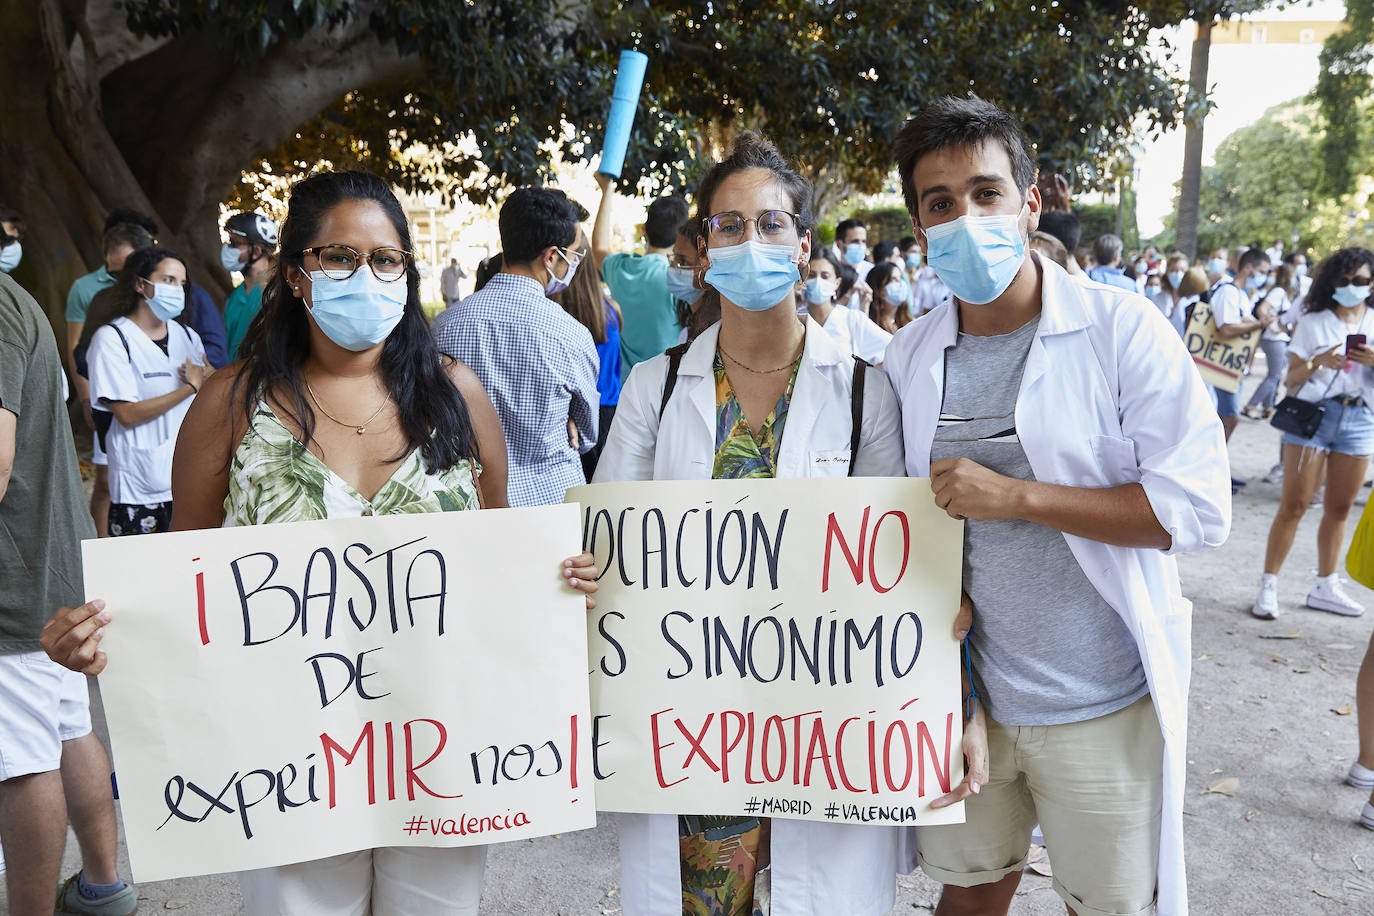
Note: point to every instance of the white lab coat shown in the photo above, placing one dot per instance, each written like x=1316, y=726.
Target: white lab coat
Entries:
x=817, y=868
x=1109, y=396
x=141, y=457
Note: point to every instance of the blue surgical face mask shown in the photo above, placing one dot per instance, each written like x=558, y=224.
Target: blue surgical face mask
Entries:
x=1216, y=266
x=680, y=281
x=913, y=259
x=854, y=253
x=1175, y=277
x=1255, y=281
x=167, y=301
x=897, y=292
x=820, y=291
x=10, y=255
x=977, y=257
x=753, y=275
x=1300, y=271
x=357, y=313
x=230, y=259
x=1350, y=296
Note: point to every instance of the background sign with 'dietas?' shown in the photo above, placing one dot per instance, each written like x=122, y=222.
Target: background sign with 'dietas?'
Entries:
x=1221, y=363
x=775, y=647
x=282, y=693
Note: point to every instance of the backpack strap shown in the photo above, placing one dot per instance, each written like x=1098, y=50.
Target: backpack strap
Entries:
x=675, y=355
x=124, y=340
x=856, y=411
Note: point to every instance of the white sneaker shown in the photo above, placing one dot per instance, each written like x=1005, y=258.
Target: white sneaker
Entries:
x=1360, y=777
x=1327, y=595
x=1266, y=606
x=1275, y=474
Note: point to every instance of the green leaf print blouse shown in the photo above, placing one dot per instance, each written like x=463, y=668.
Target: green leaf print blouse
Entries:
x=273, y=478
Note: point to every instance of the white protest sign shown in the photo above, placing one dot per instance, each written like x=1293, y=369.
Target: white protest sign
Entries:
x=1221, y=362
x=282, y=693
x=775, y=647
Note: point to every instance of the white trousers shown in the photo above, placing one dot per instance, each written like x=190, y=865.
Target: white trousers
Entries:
x=388, y=881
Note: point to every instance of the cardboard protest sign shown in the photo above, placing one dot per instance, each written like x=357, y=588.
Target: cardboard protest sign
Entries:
x=282, y=693
x=775, y=647
x=1221, y=362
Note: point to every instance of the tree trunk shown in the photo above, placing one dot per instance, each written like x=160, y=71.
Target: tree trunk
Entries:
x=1190, y=185
x=186, y=122
x=61, y=171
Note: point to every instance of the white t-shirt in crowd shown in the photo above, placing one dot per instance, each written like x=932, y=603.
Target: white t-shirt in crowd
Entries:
x=857, y=334
x=1176, y=312
x=1318, y=332
x=1282, y=307
x=1230, y=305
x=141, y=458
x=927, y=292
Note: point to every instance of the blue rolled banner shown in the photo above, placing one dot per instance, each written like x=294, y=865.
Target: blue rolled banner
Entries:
x=629, y=79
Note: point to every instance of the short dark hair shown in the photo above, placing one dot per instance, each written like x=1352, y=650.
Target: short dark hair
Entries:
x=534, y=219
x=969, y=122
x=883, y=251
x=845, y=225
x=752, y=151
x=1252, y=257
x=665, y=217
x=130, y=234
x=127, y=215
x=1064, y=226
x=907, y=243
x=1320, y=297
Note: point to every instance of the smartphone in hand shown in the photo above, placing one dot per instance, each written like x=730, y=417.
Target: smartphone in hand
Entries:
x=1352, y=341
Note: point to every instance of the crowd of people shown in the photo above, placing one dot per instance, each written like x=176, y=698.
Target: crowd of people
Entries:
x=1044, y=388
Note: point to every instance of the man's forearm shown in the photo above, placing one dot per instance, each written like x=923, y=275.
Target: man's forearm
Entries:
x=1121, y=516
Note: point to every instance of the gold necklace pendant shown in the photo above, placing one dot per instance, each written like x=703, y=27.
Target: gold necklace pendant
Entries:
x=359, y=429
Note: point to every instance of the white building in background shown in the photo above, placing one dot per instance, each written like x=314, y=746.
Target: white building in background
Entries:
x=1258, y=62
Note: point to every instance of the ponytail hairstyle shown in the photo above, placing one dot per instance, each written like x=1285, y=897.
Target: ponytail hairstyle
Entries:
x=432, y=412
x=140, y=266
x=752, y=151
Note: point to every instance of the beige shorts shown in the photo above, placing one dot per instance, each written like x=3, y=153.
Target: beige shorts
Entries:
x=1096, y=789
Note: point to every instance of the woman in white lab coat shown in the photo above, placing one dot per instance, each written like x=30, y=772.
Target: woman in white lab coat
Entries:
x=145, y=368
x=762, y=393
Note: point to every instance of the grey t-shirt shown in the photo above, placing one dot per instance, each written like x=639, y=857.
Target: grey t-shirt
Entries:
x=1046, y=648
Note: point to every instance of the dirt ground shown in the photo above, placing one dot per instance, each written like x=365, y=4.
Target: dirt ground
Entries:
x=1272, y=733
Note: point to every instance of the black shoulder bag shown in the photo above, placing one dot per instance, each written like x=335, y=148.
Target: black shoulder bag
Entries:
x=1299, y=417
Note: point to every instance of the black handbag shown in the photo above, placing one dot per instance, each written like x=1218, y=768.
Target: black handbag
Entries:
x=1299, y=417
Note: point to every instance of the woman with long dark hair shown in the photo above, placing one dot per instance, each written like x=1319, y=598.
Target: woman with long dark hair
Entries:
x=851, y=329
x=145, y=366
x=342, y=406
x=586, y=300
x=891, y=305
x=1327, y=368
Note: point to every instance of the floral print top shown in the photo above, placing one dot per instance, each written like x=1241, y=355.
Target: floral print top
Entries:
x=274, y=478
x=739, y=453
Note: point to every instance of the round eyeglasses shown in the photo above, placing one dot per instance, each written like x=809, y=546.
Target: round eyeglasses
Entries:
x=339, y=262
x=773, y=226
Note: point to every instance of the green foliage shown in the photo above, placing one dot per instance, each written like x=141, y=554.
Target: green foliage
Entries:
x=1343, y=83
x=831, y=81
x=886, y=224
x=1267, y=182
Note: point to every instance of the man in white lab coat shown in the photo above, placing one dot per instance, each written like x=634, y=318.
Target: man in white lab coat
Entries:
x=1066, y=423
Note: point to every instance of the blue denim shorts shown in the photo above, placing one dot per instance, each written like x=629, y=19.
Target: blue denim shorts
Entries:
x=1228, y=403
x=1348, y=430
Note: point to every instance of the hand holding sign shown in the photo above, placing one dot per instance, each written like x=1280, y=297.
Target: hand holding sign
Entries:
x=71, y=637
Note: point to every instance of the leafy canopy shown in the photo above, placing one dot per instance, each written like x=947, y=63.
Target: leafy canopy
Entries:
x=510, y=84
